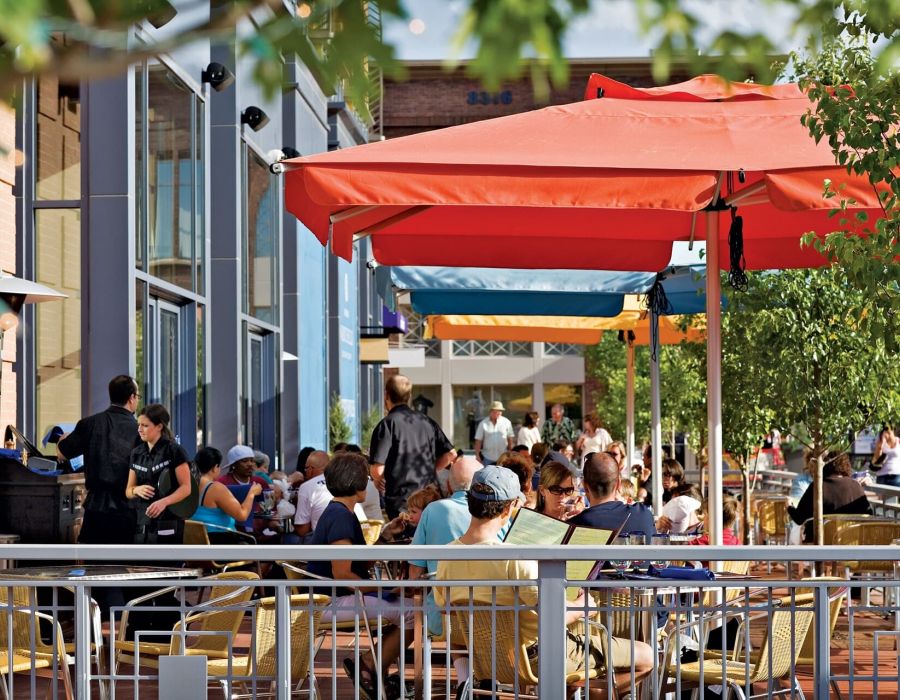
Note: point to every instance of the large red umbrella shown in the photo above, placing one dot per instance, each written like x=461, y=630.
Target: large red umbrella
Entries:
x=607, y=183
x=576, y=186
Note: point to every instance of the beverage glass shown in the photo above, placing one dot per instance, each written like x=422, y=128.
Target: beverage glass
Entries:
x=621, y=565
x=659, y=540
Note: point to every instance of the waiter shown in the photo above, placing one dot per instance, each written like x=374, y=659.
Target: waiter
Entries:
x=106, y=440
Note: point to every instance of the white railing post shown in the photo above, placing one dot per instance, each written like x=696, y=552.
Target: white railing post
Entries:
x=822, y=641
x=283, y=683
x=552, y=630
x=82, y=680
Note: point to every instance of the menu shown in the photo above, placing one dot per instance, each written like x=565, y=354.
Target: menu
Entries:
x=530, y=527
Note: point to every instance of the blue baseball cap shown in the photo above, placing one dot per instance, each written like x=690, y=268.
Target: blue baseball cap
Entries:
x=502, y=482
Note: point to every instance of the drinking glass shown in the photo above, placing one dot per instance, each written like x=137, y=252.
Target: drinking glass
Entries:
x=621, y=565
x=568, y=507
x=659, y=540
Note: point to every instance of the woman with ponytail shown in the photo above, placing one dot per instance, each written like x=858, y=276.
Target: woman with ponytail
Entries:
x=157, y=454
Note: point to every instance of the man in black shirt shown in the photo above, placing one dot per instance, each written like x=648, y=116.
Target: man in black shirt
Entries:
x=106, y=440
x=407, y=448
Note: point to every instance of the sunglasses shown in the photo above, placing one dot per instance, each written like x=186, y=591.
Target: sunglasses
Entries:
x=560, y=491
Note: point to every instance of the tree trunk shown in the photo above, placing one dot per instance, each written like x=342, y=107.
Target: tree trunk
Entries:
x=745, y=489
x=818, y=525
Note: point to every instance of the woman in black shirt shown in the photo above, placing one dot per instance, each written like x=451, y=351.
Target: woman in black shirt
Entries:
x=157, y=453
x=346, y=478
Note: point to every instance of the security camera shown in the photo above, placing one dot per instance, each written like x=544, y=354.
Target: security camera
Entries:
x=372, y=264
x=276, y=168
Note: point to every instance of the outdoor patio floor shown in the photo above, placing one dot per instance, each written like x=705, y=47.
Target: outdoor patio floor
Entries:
x=337, y=685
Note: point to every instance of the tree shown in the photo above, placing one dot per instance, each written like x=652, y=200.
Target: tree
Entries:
x=339, y=429
x=682, y=370
x=339, y=41
x=370, y=420
x=794, y=358
x=857, y=110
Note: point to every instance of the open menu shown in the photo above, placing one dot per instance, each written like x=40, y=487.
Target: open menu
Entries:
x=530, y=527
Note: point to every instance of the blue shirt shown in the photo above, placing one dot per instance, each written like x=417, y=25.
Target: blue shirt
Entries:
x=442, y=522
x=610, y=516
x=337, y=523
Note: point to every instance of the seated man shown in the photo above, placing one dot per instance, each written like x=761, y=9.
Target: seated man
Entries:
x=601, y=480
x=442, y=522
x=491, y=499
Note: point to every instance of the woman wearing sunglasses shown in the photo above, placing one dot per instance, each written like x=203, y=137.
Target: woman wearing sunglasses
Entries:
x=557, y=496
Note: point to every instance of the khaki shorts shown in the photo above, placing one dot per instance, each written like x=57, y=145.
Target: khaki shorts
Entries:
x=619, y=652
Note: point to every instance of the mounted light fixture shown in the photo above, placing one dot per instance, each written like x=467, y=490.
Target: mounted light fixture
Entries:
x=254, y=117
x=218, y=76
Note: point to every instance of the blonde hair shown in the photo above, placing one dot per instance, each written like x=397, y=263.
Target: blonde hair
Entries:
x=421, y=498
x=627, y=490
x=620, y=446
x=552, y=474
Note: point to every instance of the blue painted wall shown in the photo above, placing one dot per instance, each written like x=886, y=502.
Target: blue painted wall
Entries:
x=312, y=343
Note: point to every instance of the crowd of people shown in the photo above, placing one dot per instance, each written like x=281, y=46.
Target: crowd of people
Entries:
x=142, y=486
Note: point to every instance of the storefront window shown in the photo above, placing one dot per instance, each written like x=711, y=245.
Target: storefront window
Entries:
x=472, y=403
x=569, y=395
x=261, y=241
x=58, y=323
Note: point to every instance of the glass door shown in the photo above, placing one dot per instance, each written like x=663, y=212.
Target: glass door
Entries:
x=167, y=345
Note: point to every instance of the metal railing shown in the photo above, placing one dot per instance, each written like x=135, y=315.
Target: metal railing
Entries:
x=770, y=618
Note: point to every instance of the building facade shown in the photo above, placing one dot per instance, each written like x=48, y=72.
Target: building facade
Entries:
x=149, y=199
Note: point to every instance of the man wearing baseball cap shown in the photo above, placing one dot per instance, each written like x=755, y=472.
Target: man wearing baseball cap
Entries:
x=240, y=463
x=494, y=492
x=494, y=435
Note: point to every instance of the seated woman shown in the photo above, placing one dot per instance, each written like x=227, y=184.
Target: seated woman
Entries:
x=346, y=478
x=556, y=492
x=219, y=510
x=841, y=493
x=681, y=513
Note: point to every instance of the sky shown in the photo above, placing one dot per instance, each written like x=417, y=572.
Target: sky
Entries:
x=610, y=29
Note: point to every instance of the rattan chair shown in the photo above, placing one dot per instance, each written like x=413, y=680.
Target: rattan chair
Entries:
x=785, y=635
x=24, y=652
x=258, y=667
x=772, y=523
x=498, y=653
x=294, y=572
x=870, y=532
x=195, y=532
x=371, y=530
x=213, y=637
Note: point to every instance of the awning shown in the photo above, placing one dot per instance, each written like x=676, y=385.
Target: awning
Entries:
x=558, y=329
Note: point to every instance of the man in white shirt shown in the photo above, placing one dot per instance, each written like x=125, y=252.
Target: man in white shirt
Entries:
x=313, y=497
x=494, y=435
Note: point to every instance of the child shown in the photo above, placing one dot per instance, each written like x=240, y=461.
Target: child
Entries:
x=729, y=518
x=403, y=527
x=626, y=492
x=680, y=514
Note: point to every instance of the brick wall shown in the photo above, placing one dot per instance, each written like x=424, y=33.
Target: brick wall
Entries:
x=432, y=98
x=8, y=254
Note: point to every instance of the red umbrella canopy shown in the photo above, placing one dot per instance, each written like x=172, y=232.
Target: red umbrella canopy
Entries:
x=607, y=183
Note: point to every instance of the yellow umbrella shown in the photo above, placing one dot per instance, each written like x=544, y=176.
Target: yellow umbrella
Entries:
x=561, y=329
